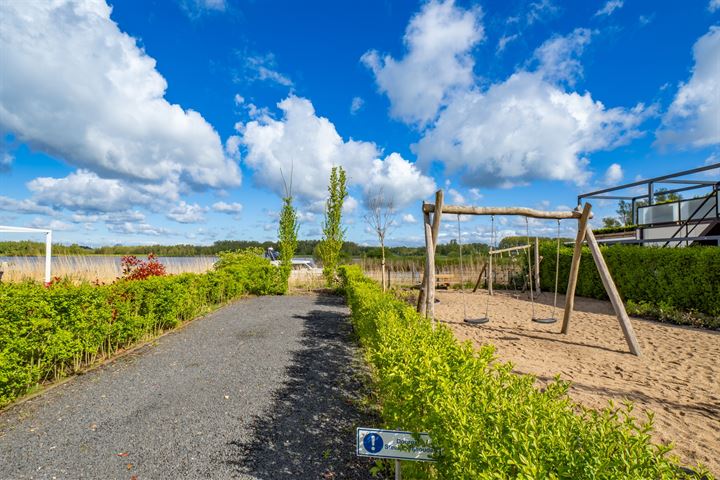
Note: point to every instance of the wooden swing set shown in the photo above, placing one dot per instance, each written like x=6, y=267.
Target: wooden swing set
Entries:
x=426, y=299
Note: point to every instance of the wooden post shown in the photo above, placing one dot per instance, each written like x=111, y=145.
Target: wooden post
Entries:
x=430, y=266
x=537, y=266
x=437, y=208
x=436, y=217
x=482, y=271
x=490, y=275
x=613, y=294
x=423, y=288
x=575, y=267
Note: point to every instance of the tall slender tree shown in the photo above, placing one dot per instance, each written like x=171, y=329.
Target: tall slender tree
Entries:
x=287, y=230
x=333, y=231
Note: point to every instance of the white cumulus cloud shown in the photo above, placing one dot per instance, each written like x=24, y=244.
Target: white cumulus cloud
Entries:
x=475, y=194
x=693, y=118
x=541, y=11
x=6, y=160
x=609, y=7
x=439, y=40
x=356, y=105
x=456, y=197
x=187, y=213
x=263, y=67
x=51, y=224
x=399, y=180
x=558, y=57
x=85, y=191
x=504, y=41
x=309, y=146
x=195, y=9
x=233, y=208
x=27, y=205
x=76, y=87
x=529, y=126
x=613, y=174
x=522, y=129
x=409, y=218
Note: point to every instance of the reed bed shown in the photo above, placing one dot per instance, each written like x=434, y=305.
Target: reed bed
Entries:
x=401, y=272
x=407, y=272
x=87, y=268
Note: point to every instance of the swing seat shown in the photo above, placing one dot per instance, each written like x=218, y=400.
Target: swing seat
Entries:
x=545, y=320
x=476, y=321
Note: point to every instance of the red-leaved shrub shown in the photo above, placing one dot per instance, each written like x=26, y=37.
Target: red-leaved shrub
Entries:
x=134, y=268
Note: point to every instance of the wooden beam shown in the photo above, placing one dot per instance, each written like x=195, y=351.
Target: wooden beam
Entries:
x=509, y=249
x=430, y=282
x=537, y=266
x=482, y=271
x=613, y=294
x=422, y=304
x=575, y=267
x=526, y=212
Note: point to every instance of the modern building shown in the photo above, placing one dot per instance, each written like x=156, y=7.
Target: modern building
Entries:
x=675, y=210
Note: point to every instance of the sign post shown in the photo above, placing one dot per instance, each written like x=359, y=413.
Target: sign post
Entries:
x=394, y=444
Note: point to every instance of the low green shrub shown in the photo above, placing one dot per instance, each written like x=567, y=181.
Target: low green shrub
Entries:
x=486, y=421
x=259, y=276
x=48, y=332
x=668, y=279
x=618, y=229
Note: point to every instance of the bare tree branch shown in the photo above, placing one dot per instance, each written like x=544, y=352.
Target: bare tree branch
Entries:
x=380, y=217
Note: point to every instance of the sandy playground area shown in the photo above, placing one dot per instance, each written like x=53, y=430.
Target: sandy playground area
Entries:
x=678, y=377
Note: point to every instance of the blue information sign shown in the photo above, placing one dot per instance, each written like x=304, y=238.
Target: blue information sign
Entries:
x=375, y=442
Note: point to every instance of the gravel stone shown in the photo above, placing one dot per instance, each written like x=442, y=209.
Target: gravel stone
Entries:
x=265, y=388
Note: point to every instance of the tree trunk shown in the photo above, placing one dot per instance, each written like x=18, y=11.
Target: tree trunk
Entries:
x=382, y=265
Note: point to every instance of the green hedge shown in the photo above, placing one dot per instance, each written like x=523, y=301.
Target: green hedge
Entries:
x=486, y=421
x=622, y=228
x=667, y=279
x=48, y=332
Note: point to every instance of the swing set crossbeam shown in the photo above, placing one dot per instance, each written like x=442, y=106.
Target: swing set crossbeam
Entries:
x=432, y=230
x=509, y=249
x=522, y=211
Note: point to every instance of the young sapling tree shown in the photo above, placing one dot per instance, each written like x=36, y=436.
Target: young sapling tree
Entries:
x=287, y=230
x=333, y=232
x=380, y=217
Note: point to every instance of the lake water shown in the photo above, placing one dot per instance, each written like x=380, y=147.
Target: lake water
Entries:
x=95, y=267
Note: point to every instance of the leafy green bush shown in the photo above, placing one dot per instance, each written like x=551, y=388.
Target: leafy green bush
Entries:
x=670, y=279
x=618, y=229
x=47, y=332
x=259, y=276
x=486, y=421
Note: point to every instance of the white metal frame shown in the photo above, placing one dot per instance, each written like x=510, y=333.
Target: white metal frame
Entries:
x=48, y=244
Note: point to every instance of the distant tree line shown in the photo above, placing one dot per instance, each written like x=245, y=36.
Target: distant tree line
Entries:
x=305, y=248
x=27, y=247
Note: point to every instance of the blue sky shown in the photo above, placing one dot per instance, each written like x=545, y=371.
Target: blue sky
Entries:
x=167, y=122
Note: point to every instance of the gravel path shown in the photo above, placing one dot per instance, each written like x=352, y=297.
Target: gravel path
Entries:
x=265, y=388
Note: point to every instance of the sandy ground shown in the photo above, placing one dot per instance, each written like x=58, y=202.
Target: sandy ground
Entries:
x=677, y=378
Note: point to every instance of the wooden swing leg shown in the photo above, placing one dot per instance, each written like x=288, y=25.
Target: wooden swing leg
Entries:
x=422, y=303
x=430, y=294
x=422, y=297
x=482, y=272
x=490, y=275
x=613, y=294
x=575, y=267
